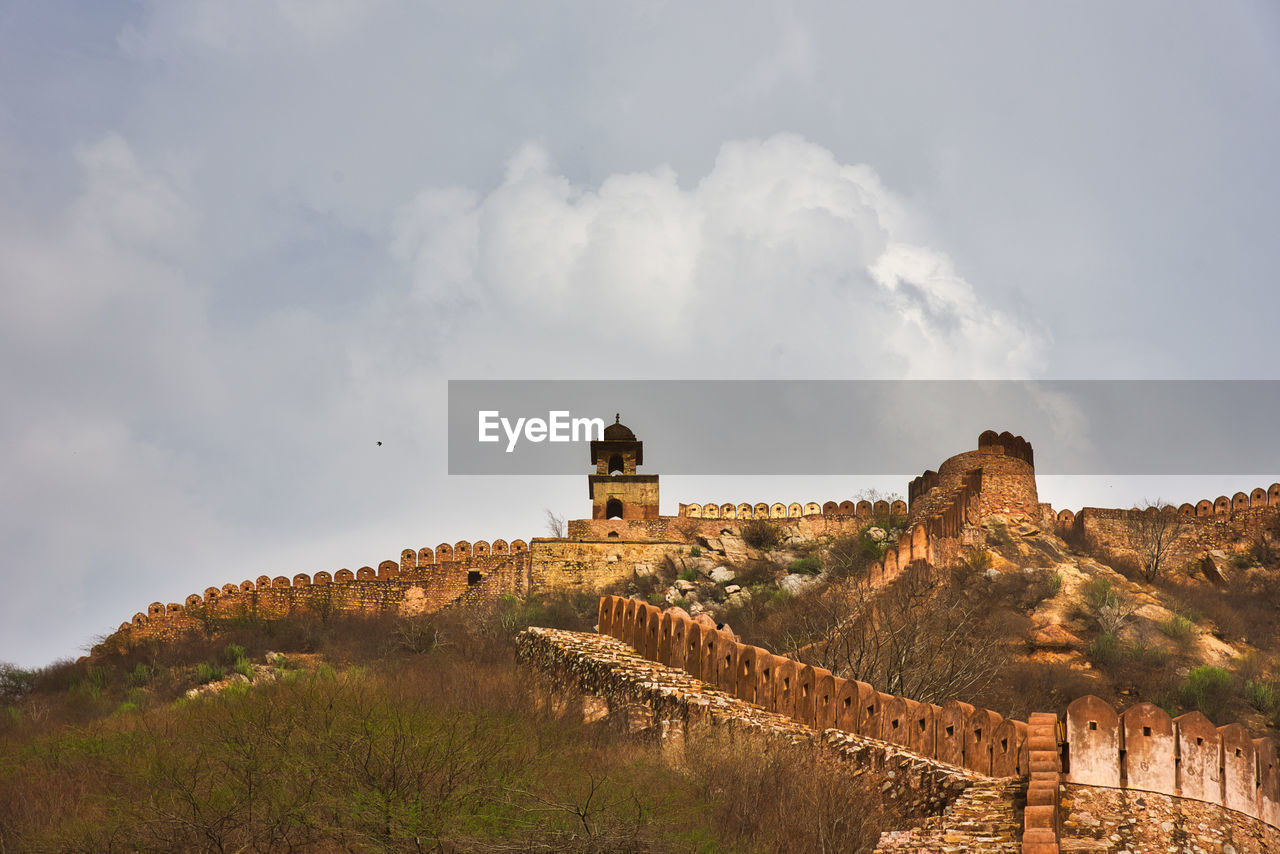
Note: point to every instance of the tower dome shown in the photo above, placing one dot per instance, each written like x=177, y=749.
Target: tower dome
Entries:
x=618, y=432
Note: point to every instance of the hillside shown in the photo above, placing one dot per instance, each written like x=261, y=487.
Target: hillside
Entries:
x=991, y=637
x=368, y=734
x=422, y=734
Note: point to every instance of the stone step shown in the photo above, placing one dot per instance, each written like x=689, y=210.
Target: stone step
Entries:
x=984, y=818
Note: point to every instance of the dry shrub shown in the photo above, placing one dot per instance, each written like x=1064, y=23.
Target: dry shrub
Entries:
x=766, y=795
x=851, y=555
x=761, y=534
x=1248, y=608
x=421, y=752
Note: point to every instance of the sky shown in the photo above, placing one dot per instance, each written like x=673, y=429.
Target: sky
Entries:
x=244, y=241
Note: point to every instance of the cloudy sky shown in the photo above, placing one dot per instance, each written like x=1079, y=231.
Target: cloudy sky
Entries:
x=243, y=241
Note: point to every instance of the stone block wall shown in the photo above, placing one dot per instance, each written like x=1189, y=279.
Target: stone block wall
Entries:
x=1005, y=483
x=1161, y=769
x=956, y=733
x=422, y=581
x=675, y=705
x=687, y=529
x=592, y=564
x=1115, y=821
x=1231, y=525
x=865, y=510
x=1187, y=757
x=635, y=494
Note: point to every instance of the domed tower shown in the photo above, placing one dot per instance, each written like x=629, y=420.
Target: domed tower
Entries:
x=617, y=492
x=1002, y=469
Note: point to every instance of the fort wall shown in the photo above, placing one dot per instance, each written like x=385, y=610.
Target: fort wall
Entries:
x=422, y=581
x=587, y=565
x=864, y=509
x=1206, y=508
x=642, y=695
x=689, y=529
x=596, y=553
x=955, y=733
x=1222, y=778
x=1187, y=757
x=1230, y=524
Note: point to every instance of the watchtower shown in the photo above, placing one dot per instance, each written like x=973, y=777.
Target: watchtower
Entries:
x=617, y=492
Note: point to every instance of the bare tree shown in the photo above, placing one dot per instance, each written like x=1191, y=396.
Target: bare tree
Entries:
x=1154, y=531
x=919, y=638
x=555, y=523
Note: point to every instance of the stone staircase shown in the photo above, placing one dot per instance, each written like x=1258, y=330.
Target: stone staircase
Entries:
x=986, y=818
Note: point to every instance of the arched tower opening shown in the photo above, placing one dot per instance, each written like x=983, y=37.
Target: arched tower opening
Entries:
x=617, y=492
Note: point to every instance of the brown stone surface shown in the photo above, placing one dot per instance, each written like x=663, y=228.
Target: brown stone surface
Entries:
x=1110, y=821
x=1054, y=636
x=1000, y=473
x=985, y=818
x=399, y=589
x=1229, y=531
x=675, y=706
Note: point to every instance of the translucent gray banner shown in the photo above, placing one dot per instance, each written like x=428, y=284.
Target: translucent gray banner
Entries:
x=866, y=427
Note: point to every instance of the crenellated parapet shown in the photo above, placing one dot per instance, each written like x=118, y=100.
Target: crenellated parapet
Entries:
x=576, y=673
x=859, y=509
x=1006, y=444
x=423, y=580
x=1091, y=748
x=1260, y=498
x=1144, y=749
x=1229, y=524
x=956, y=733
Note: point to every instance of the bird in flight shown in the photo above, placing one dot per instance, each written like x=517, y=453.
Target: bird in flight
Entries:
x=379, y=444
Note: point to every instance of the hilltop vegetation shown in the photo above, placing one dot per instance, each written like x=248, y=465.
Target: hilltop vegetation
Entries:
x=368, y=734
x=421, y=734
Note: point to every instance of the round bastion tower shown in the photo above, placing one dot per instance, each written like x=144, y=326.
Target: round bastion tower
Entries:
x=1001, y=471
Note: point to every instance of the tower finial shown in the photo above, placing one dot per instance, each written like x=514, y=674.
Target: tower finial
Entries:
x=617, y=418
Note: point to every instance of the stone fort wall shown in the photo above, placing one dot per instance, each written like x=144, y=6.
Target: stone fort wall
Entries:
x=955, y=733
x=1228, y=524
x=866, y=510
x=684, y=530
x=596, y=553
x=422, y=581
x=1214, y=509
x=1116, y=781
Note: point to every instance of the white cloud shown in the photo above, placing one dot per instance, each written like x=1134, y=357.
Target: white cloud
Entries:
x=779, y=244
x=946, y=331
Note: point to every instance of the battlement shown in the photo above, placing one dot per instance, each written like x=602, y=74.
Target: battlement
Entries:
x=861, y=509
x=1205, y=508
x=1144, y=749
x=1228, y=525
x=1141, y=749
x=610, y=678
x=1007, y=444
x=422, y=580
x=955, y=733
